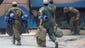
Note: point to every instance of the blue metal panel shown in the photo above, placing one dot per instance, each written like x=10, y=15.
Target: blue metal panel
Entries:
x=31, y=23
x=2, y=22
x=36, y=3
x=77, y=3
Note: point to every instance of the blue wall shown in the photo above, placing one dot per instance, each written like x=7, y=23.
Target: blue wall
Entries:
x=79, y=4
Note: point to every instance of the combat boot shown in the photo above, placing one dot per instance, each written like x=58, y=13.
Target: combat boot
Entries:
x=56, y=44
x=13, y=40
x=18, y=42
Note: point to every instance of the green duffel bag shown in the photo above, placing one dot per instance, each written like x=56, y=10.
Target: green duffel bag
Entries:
x=58, y=32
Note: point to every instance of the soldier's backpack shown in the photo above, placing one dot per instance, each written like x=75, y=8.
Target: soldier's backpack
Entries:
x=41, y=36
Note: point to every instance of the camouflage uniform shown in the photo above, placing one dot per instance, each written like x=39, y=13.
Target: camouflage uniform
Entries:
x=53, y=8
x=74, y=21
x=48, y=24
x=17, y=22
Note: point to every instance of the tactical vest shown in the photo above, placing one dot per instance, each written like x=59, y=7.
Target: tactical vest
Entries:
x=48, y=12
x=17, y=12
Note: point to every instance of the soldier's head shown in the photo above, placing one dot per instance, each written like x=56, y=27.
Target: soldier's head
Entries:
x=45, y=2
x=51, y=1
x=70, y=8
x=66, y=9
x=14, y=4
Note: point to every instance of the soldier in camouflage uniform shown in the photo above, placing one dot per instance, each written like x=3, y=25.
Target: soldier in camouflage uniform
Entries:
x=53, y=8
x=48, y=21
x=17, y=22
x=74, y=19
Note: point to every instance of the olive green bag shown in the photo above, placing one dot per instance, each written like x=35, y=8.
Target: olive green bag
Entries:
x=58, y=32
x=41, y=36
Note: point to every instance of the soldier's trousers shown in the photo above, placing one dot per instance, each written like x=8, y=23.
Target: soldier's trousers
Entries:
x=16, y=33
x=74, y=26
x=50, y=31
x=51, y=34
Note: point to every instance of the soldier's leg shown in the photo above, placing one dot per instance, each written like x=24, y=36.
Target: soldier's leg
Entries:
x=13, y=39
x=77, y=28
x=52, y=36
x=71, y=23
x=16, y=36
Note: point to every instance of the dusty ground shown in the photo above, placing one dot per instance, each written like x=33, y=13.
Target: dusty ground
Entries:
x=29, y=41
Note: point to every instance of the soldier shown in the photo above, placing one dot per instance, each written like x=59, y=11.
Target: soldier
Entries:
x=47, y=20
x=53, y=8
x=74, y=15
x=16, y=25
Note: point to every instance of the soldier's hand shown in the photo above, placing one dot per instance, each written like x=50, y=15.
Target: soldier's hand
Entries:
x=77, y=19
x=39, y=26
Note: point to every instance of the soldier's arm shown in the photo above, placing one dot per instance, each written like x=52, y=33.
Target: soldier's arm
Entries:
x=55, y=16
x=22, y=12
x=54, y=11
x=41, y=21
x=41, y=16
x=77, y=14
x=7, y=13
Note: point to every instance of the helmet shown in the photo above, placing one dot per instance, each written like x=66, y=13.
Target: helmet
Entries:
x=14, y=3
x=70, y=8
x=45, y=1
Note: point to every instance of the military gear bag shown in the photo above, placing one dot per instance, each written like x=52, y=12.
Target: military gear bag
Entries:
x=58, y=33
x=41, y=36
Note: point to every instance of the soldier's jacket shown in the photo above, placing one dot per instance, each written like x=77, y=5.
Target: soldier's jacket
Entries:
x=48, y=12
x=73, y=12
x=72, y=15
x=17, y=12
x=53, y=8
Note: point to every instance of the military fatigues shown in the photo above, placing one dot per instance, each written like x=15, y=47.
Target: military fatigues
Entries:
x=53, y=8
x=49, y=23
x=74, y=23
x=17, y=22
